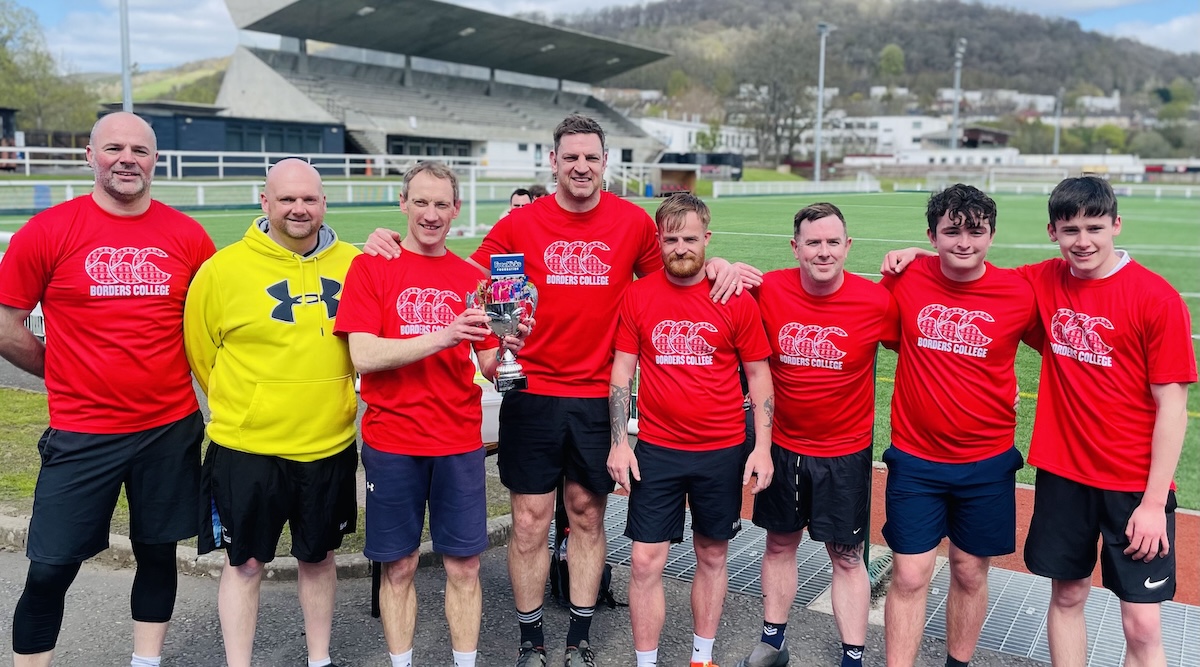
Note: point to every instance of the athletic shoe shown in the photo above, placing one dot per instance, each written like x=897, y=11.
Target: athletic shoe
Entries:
x=706, y=663
x=765, y=655
x=581, y=656
x=531, y=656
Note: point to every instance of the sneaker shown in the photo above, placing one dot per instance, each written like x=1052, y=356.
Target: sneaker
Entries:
x=765, y=655
x=706, y=663
x=581, y=656
x=531, y=656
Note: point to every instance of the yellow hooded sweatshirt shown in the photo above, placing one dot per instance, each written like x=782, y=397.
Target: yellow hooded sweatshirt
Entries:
x=258, y=326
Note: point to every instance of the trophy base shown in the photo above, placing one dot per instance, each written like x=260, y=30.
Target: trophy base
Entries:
x=504, y=384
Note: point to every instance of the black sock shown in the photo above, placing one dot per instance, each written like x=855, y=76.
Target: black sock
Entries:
x=951, y=662
x=581, y=624
x=531, y=627
x=773, y=634
x=851, y=655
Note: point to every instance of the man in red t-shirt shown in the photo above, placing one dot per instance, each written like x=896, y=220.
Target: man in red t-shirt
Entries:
x=692, y=429
x=582, y=248
x=824, y=326
x=411, y=336
x=1111, y=415
x=952, y=463
x=111, y=270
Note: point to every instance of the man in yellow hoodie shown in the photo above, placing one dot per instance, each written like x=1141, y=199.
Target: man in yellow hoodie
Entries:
x=258, y=325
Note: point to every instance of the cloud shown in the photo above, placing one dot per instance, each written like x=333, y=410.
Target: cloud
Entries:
x=162, y=33
x=1178, y=34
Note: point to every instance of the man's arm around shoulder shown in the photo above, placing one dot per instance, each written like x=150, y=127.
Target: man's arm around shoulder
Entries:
x=18, y=344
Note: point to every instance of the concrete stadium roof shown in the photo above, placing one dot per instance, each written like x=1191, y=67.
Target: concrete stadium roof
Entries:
x=442, y=31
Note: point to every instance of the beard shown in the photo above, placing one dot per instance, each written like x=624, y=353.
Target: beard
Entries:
x=684, y=267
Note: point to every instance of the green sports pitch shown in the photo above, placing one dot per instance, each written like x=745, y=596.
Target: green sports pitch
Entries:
x=1163, y=234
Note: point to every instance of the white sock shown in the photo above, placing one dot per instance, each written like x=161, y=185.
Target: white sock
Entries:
x=139, y=661
x=702, y=648
x=464, y=659
x=320, y=663
x=402, y=660
x=647, y=658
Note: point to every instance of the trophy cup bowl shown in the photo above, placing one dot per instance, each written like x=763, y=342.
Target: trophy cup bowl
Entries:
x=503, y=319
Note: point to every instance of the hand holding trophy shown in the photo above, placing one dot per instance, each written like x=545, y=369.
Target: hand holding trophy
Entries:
x=507, y=298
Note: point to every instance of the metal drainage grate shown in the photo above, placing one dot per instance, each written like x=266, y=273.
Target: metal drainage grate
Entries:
x=1016, y=620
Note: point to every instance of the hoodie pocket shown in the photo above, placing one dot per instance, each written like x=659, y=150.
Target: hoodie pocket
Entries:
x=321, y=407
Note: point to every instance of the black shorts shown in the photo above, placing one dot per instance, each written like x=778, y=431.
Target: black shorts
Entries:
x=1068, y=517
x=544, y=438
x=246, y=499
x=81, y=477
x=828, y=494
x=709, y=483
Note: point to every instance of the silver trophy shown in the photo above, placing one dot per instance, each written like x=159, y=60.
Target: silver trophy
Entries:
x=507, y=301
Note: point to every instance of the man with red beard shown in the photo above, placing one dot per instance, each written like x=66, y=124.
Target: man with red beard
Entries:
x=689, y=452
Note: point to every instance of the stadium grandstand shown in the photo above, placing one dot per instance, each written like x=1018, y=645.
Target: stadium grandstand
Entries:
x=427, y=78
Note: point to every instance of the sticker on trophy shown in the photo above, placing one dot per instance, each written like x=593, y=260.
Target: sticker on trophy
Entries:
x=507, y=298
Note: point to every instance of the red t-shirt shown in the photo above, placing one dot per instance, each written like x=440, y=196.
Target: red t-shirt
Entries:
x=689, y=395
x=955, y=379
x=1107, y=341
x=431, y=406
x=112, y=290
x=581, y=264
x=823, y=361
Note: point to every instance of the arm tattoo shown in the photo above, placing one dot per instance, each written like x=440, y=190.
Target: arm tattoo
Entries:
x=618, y=411
x=769, y=408
x=850, y=554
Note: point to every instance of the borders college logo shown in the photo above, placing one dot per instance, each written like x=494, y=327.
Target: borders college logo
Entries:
x=1078, y=331
x=953, y=325
x=576, y=258
x=682, y=337
x=810, y=341
x=125, y=266
x=426, y=306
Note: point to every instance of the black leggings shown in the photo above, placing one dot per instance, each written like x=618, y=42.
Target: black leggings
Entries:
x=39, y=613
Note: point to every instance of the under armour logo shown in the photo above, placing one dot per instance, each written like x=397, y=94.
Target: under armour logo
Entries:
x=370, y=486
x=342, y=525
x=284, y=311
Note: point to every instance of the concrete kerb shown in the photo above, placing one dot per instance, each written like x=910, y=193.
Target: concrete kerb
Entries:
x=14, y=533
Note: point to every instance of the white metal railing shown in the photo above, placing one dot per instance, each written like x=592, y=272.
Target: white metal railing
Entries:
x=751, y=188
x=1158, y=191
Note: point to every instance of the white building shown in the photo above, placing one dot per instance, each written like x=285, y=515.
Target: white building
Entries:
x=880, y=92
x=680, y=136
x=872, y=135
x=1095, y=103
x=939, y=158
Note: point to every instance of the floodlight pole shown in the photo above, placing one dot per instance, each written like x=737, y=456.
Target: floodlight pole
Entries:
x=959, y=50
x=126, y=76
x=823, y=29
x=1058, y=105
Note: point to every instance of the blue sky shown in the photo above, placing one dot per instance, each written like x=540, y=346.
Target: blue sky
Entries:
x=83, y=34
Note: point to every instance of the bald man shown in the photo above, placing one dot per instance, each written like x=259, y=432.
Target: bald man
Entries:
x=111, y=270
x=258, y=326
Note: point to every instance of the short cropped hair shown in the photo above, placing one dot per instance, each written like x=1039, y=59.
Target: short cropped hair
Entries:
x=520, y=192
x=538, y=190
x=966, y=205
x=816, y=212
x=578, y=124
x=433, y=168
x=671, y=213
x=1089, y=196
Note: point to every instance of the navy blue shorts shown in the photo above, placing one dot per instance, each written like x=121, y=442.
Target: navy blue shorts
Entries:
x=709, y=483
x=398, y=489
x=82, y=475
x=975, y=504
